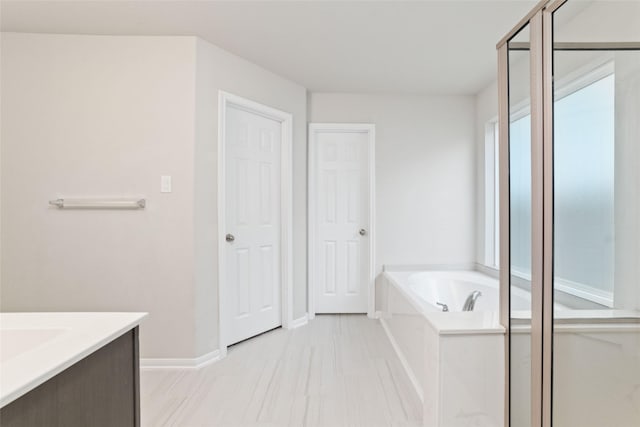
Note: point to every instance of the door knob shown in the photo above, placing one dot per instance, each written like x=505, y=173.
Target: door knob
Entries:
x=230, y=238
x=362, y=231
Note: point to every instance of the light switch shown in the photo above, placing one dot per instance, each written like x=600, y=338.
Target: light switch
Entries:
x=165, y=184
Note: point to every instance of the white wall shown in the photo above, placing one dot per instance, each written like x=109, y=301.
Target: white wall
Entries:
x=100, y=116
x=425, y=172
x=106, y=116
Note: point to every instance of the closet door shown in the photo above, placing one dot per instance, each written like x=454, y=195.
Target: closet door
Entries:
x=253, y=255
x=341, y=199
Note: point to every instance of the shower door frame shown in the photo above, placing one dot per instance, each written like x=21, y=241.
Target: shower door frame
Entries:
x=535, y=22
x=541, y=47
x=539, y=20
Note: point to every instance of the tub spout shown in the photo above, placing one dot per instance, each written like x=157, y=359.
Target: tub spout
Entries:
x=445, y=307
x=470, y=303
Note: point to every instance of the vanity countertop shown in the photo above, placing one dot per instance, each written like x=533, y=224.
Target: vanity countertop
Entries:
x=35, y=347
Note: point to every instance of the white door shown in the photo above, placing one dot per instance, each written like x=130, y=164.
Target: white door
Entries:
x=252, y=205
x=341, y=203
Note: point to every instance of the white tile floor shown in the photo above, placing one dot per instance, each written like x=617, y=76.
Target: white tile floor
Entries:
x=339, y=370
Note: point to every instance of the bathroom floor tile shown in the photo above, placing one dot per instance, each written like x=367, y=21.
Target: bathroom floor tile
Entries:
x=339, y=370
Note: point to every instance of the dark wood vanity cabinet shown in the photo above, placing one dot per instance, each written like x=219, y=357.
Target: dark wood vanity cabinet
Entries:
x=101, y=390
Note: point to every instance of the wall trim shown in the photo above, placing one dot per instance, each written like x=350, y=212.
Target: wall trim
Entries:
x=286, y=209
x=429, y=267
x=195, y=363
x=403, y=361
x=300, y=321
x=489, y=271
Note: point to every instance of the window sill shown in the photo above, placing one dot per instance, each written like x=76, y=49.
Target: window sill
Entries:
x=575, y=289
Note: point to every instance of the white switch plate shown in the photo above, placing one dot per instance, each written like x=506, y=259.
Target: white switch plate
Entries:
x=165, y=184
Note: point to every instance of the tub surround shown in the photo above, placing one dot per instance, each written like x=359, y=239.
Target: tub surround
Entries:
x=455, y=360
x=586, y=353
x=38, y=346
x=487, y=322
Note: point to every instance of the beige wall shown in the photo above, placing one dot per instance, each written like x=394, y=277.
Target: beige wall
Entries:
x=100, y=116
x=107, y=116
x=425, y=172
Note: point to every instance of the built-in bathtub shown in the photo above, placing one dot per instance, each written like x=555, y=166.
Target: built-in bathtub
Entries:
x=455, y=359
x=452, y=288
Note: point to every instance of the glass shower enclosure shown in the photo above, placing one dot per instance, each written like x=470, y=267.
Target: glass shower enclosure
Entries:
x=569, y=83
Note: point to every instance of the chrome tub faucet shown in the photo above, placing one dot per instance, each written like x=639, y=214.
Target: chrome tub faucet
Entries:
x=470, y=303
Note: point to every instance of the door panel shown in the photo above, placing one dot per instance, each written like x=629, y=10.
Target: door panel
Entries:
x=596, y=217
x=520, y=217
x=253, y=258
x=342, y=210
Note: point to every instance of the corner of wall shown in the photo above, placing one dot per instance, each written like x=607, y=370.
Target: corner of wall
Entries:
x=205, y=202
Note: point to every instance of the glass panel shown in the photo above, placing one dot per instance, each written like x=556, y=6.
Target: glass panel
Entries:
x=596, y=376
x=520, y=226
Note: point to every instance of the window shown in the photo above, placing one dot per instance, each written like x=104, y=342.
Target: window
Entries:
x=584, y=166
x=584, y=188
x=491, y=199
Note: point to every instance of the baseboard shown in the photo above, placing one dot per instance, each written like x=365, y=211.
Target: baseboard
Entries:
x=301, y=321
x=196, y=363
x=412, y=377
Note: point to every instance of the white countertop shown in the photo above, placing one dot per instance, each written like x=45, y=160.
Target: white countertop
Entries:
x=35, y=347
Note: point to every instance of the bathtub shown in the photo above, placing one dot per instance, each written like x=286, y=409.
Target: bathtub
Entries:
x=454, y=359
x=450, y=288
x=453, y=287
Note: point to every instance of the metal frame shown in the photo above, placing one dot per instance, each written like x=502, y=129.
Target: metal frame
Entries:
x=286, y=208
x=370, y=130
x=541, y=47
x=522, y=23
x=505, y=219
x=99, y=203
x=580, y=46
x=537, y=222
x=547, y=214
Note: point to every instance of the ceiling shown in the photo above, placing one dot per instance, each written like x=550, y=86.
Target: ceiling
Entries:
x=418, y=47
